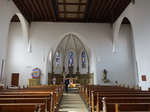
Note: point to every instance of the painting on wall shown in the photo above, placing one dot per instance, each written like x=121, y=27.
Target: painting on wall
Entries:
x=36, y=73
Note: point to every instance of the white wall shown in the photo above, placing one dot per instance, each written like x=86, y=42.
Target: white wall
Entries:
x=43, y=36
x=17, y=60
x=5, y=15
x=7, y=10
x=125, y=53
x=139, y=16
x=97, y=36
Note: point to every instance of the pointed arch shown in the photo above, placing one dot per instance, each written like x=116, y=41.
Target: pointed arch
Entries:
x=24, y=26
x=16, y=57
x=116, y=29
x=87, y=45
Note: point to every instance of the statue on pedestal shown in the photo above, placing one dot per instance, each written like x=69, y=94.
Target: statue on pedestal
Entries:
x=105, y=79
x=64, y=74
x=54, y=80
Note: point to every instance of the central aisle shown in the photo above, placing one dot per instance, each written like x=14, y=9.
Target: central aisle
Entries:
x=72, y=102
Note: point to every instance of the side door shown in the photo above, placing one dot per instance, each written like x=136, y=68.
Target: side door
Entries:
x=15, y=79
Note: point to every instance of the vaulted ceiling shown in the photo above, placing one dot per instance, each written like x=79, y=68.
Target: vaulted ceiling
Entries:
x=99, y=11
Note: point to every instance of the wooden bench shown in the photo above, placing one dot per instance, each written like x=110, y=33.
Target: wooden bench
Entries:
x=34, y=95
x=23, y=107
x=107, y=101
x=93, y=95
x=25, y=100
x=85, y=91
x=28, y=98
x=129, y=107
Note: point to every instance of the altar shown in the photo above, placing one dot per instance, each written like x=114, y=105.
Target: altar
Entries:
x=73, y=85
x=33, y=82
x=74, y=79
x=72, y=82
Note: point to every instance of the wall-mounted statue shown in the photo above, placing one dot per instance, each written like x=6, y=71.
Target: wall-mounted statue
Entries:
x=105, y=79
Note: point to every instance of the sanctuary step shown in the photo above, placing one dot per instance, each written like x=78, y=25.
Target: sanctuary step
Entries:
x=72, y=102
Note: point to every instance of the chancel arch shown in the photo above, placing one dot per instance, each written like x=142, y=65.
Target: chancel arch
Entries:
x=73, y=52
x=24, y=27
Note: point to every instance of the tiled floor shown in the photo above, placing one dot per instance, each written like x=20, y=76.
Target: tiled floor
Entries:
x=72, y=102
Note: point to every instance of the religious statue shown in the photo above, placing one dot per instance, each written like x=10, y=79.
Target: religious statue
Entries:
x=54, y=80
x=105, y=80
x=64, y=75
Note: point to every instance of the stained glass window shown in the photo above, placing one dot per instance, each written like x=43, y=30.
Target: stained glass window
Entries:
x=83, y=59
x=70, y=58
x=58, y=58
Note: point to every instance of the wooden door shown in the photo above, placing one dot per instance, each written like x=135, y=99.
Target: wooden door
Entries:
x=15, y=79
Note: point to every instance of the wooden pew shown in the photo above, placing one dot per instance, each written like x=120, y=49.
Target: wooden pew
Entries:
x=98, y=103
x=109, y=103
x=130, y=107
x=93, y=94
x=23, y=107
x=46, y=101
x=58, y=89
x=28, y=98
x=85, y=91
x=36, y=92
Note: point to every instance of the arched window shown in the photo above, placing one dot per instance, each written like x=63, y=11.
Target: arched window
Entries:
x=83, y=57
x=58, y=59
x=70, y=58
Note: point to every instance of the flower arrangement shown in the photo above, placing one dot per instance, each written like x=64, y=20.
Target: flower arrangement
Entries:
x=105, y=80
